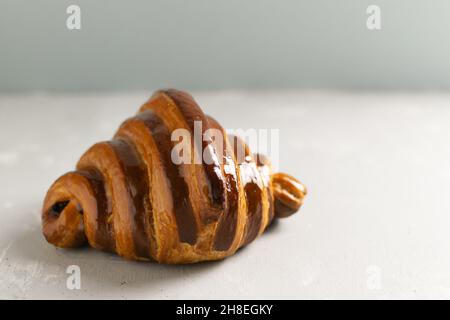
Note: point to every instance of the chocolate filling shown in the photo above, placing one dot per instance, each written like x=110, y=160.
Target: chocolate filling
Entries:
x=58, y=207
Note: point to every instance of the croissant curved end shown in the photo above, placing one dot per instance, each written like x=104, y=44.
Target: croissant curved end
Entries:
x=62, y=215
x=288, y=193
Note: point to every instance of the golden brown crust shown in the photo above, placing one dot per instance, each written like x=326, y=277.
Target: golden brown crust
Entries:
x=128, y=196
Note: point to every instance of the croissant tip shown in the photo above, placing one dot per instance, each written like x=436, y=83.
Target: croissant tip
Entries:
x=289, y=194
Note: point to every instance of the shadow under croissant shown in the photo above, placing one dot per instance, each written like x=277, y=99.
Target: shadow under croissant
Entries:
x=97, y=267
x=31, y=266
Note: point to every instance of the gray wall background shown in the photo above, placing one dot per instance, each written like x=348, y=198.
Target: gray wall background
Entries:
x=209, y=44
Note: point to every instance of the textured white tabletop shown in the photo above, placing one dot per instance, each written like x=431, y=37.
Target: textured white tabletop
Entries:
x=375, y=223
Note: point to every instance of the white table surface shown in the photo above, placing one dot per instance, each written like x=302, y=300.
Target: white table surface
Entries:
x=375, y=224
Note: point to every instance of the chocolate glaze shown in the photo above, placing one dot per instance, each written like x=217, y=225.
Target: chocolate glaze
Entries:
x=137, y=180
x=104, y=231
x=254, y=210
x=191, y=113
x=226, y=229
x=184, y=214
x=283, y=209
x=252, y=188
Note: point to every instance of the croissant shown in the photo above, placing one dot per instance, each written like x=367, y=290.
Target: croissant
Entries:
x=129, y=196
